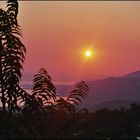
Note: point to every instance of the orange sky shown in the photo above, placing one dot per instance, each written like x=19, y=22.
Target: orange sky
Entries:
x=56, y=32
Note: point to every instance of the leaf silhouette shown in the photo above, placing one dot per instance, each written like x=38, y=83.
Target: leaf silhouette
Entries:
x=12, y=53
x=69, y=104
x=80, y=91
x=43, y=94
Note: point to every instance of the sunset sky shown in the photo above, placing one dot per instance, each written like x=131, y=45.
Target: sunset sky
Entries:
x=55, y=34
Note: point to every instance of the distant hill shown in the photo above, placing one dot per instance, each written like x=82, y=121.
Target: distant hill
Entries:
x=135, y=74
x=112, y=91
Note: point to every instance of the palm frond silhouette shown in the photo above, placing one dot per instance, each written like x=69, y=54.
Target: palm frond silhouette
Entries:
x=43, y=88
x=43, y=94
x=80, y=91
x=11, y=56
x=71, y=102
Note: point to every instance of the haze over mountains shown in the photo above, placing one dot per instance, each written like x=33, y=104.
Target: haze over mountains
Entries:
x=111, y=92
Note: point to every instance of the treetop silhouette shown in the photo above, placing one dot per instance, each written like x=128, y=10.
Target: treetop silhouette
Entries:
x=12, y=55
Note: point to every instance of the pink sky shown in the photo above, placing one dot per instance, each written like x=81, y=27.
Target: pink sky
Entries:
x=56, y=32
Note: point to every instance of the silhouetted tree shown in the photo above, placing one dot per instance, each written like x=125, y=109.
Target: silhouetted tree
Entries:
x=72, y=101
x=11, y=57
x=43, y=88
x=65, y=110
x=43, y=94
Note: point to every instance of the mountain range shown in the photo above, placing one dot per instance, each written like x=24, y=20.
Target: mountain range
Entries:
x=111, y=92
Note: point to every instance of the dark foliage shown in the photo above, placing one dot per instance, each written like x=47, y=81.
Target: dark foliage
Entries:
x=72, y=101
x=43, y=88
x=102, y=124
x=11, y=57
x=43, y=94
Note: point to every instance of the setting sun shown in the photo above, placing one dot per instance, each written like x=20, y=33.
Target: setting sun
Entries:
x=88, y=53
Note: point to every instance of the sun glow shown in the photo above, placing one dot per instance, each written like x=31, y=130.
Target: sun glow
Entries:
x=88, y=53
